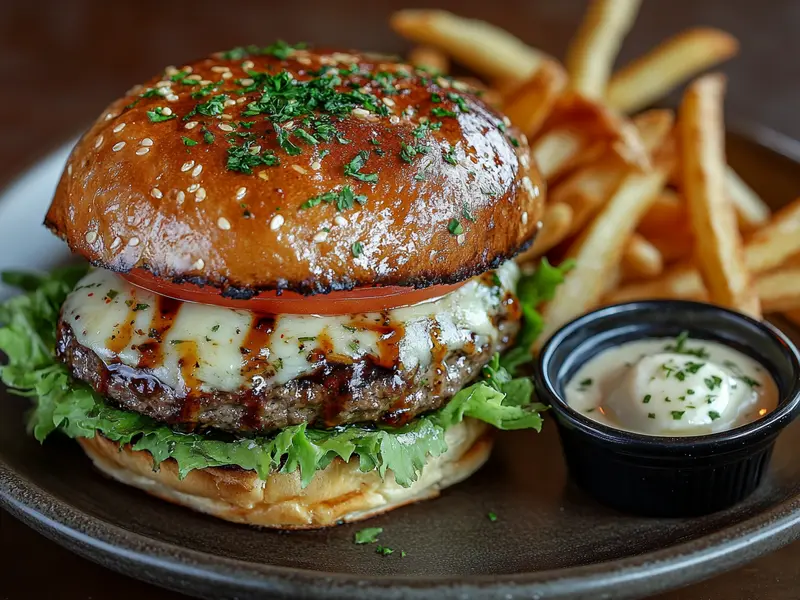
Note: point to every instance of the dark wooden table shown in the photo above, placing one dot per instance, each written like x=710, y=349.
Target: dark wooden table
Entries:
x=62, y=61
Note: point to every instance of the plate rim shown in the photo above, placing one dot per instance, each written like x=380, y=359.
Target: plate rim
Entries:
x=154, y=560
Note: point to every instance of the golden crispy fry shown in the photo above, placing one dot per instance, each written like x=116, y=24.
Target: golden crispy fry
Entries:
x=674, y=245
x=429, y=58
x=588, y=188
x=680, y=58
x=488, y=50
x=555, y=227
x=594, y=48
x=779, y=290
x=598, y=250
x=718, y=244
x=531, y=102
x=560, y=150
x=641, y=259
x=771, y=245
x=667, y=214
x=679, y=283
x=751, y=211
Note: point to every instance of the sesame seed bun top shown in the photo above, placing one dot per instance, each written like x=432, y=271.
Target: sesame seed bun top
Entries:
x=285, y=168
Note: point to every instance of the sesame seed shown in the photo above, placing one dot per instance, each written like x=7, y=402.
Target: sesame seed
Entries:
x=163, y=83
x=110, y=116
x=227, y=75
x=199, y=264
x=193, y=188
x=289, y=125
x=190, y=125
x=304, y=60
x=240, y=193
x=442, y=82
x=205, y=82
x=197, y=170
x=524, y=218
x=321, y=236
x=134, y=241
x=91, y=237
x=226, y=117
x=98, y=142
x=187, y=165
x=241, y=100
x=263, y=175
x=220, y=69
x=506, y=121
x=115, y=244
x=316, y=165
x=118, y=146
x=276, y=222
x=423, y=119
x=119, y=127
x=223, y=223
x=142, y=151
x=146, y=142
x=388, y=102
x=340, y=220
x=230, y=102
x=171, y=70
x=394, y=119
x=194, y=78
x=180, y=197
x=248, y=64
x=460, y=238
x=166, y=111
x=172, y=97
x=156, y=193
x=299, y=169
x=255, y=149
x=360, y=112
x=200, y=195
x=69, y=169
x=225, y=127
x=247, y=81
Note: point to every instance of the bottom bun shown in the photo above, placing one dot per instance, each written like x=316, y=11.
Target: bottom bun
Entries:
x=339, y=493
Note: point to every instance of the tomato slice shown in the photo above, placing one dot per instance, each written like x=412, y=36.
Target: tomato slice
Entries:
x=359, y=300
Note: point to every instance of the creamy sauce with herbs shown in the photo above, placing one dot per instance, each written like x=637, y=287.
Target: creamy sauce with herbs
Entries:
x=672, y=387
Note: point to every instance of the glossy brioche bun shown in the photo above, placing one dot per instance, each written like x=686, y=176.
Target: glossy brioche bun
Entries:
x=340, y=493
x=135, y=195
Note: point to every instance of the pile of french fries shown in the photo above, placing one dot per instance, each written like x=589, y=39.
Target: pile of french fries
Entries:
x=642, y=199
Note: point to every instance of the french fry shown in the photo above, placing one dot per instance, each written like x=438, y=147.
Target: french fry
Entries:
x=531, y=102
x=667, y=214
x=598, y=251
x=773, y=244
x=555, y=227
x=488, y=50
x=594, y=48
x=429, y=58
x=751, y=211
x=676, y=60
x=674, y=245
x=588, y=188
x=779, y=290
x=679, y=283
x=560, y=150
x=640, y=259
x=718, y=244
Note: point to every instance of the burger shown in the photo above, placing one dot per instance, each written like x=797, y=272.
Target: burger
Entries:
x=300, y=287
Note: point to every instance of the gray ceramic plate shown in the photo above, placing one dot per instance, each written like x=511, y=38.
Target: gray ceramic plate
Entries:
x=550, y=540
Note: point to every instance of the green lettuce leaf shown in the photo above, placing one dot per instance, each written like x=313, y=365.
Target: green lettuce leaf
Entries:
x=63, y=403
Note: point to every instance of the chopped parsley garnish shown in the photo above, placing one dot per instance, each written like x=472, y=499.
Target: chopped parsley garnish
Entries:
x=749, y=381
x=207, y=89
x=280, y=50
x=383, y=550
x=438, y=111
x=436, y=98
x=157, y=115
x=714, y=415
x=651, y=415
x=680, y=375
x=111, y=294
x=137, y=307
x=304, y=339
x=713, y=382
x=465, y=212
x=455, y=227
x=208, y=137
x=189, y=141
x=354, y=346
x=242, y=159
x=647, y=399
x=586, y=382
x=305, y=136
x=215, y=328
x=492, y=517
x=677, y=415
x=450, y=156
x=408, y=152
x=176, y=342
x=357, y=249
x=423, y=128
x=285, y=143
x=680, y=347
x=344, y=199
x=211, y=108
x=353, y=168
x=368, y=535
x=690, y=392
x=460, y=102
x=694, y=367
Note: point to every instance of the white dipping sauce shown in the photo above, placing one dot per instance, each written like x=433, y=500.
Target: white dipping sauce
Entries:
x=672, y=387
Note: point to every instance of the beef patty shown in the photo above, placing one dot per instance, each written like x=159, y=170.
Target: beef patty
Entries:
x=335, y=394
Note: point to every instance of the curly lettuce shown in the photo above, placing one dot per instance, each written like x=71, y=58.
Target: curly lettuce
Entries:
x=63, y=403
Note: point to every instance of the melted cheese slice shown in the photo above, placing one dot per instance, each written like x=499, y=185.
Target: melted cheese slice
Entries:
x=209, y=348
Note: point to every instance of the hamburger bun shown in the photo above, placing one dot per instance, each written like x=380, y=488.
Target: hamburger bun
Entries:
x=165, y=180
x=338, y=494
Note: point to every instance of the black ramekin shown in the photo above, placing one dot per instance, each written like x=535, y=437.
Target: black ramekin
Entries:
x=660, y=475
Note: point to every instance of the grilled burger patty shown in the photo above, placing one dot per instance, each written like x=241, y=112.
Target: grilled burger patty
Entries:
x=196, y=366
